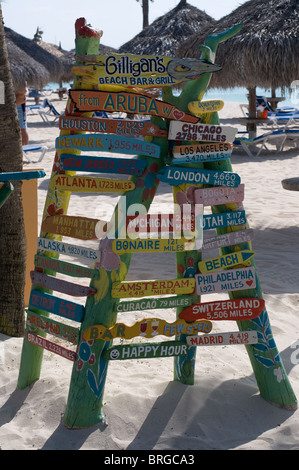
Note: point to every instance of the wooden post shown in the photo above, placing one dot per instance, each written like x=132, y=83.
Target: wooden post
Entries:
x=251, y=126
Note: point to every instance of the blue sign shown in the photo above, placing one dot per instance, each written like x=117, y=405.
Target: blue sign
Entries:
x=126, y=166
x=56, y=305
x=108, y=143
x=181, y=175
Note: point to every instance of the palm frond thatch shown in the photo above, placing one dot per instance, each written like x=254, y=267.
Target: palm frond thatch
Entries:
x=264, y=53
x=167, y=32
x=30, y=62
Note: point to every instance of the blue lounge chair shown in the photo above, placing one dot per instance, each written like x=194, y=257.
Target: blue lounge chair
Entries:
x=34, y=148
x=49, y=113
x=279, y=138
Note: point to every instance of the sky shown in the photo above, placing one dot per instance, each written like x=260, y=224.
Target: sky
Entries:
x=120, y=20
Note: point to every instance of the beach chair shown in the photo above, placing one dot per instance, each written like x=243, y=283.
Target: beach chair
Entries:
x=37, y=106
x=49, y=113
x=27, y=149
x=277, y=137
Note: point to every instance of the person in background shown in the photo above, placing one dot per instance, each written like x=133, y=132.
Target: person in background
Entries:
x=21, y=108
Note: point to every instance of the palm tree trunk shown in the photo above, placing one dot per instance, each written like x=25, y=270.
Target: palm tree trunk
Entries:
x=12, y=233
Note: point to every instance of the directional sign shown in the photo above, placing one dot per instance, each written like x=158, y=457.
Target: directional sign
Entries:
x=56, y=305
x=124, y=166
x=201, y=132
x=154, y=304
x=209, y=157
x=152, y=245
x=55, y=246
x=180, y=175
x=126, y=127
x=201, y=150
x=234, y=309
x=127, y=289
x=223, y=219
x=87, y=184
x=221, y=195
x=82, y=228
x=59, y=285
x=108, y=143
x=131, y=70
x=50, y=346
x=148, y=327
x=55, y=328
x=23, y=175
x=146, y=351
x=225, y=261
x=221, y=339
x=201, y=107
x=228, y=239
x=53, y=264
x=159, y=223
x=224, y=281
x=134, y=103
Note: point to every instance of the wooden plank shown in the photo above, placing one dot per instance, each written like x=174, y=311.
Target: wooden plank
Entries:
x=56, y=305
x=228, y=239
x=224, y=281
x=197, y=150
x=124, y=166
x=154, y=304
x=219, y=195
x=53, y=327
x=223, y=219
x=59, y=285
x=50, y=346
x=54, y=246
x=22, y=175
x=74, y=270
x=108, y=143
x=146, y=351
x=179, y=175
x=148, y=327
x=201, y=107
x=155, y=245
x=201, y=132
x=225, y=261
x=222, y=339
x=234, y=309
x=159, y=223
x=126, y=127
x=127, y=289
x=132, y=70
x=83, y=228
x=211, y=157
x=86, y=100
x=87, y=184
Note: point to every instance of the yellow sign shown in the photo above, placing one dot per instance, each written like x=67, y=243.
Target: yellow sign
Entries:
x=142, y=71
x=201, y=107
x=148, y=328
x=127, y=289
x=226, y=261
x=152, y=245
x=86, y=184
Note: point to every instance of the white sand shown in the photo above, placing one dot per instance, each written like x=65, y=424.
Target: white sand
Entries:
x=144, y=407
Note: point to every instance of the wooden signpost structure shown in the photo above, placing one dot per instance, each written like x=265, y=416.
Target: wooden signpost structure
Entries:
x=212, y=183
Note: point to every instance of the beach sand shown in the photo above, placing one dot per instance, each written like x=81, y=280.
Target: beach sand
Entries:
x=144, y=408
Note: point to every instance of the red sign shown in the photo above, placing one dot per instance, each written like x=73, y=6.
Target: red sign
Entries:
x=50, y=346
x=234, y=309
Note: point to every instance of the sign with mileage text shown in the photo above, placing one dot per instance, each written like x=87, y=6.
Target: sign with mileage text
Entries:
x=86, y=184
x=126, y=166
x=201, y=132
x=127, y=289
x=108, y=143
x=127, y=127
x=133, y=103
x=132, y=70
x=180, y=175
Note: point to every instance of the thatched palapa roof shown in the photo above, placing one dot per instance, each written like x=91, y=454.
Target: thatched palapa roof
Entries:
x=167, y=32
x=264, y=53
x=29, y=62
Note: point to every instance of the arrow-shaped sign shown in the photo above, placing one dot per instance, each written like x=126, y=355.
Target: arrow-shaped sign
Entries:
x=225, y=261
